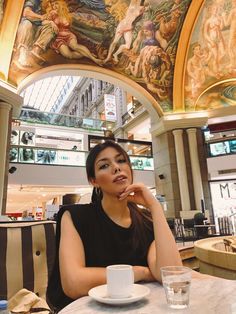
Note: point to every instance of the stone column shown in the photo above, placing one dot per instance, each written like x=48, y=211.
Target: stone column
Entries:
x=182, y=172
x=10, y=104
x=196, y=173
x=5, y=109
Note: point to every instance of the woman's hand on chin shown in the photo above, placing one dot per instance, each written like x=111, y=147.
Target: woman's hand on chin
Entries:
x=138, y=193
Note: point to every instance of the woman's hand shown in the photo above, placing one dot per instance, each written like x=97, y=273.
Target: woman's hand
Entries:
x=142, y=273
x=138, y=193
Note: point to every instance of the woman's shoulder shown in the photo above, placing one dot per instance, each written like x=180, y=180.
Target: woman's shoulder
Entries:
x=77, y=209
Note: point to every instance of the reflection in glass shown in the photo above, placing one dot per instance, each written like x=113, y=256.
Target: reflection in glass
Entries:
x=141, y=163
x=232, y=145
x=220, y=148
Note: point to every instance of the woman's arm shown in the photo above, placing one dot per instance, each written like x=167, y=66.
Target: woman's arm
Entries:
x=76, y=278
x=163, y=251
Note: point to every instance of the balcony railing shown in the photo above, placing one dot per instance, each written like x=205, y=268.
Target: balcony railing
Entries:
x=51, y=156
x=41, y=117
x=132, y=113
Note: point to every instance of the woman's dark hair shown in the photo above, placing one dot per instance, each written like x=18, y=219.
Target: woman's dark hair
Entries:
x=25, y=150
x=24, y=140
x=13, y=132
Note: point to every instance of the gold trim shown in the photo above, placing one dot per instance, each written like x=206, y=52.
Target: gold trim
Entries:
x=11, y=19
x=213, y=85
x=182, y=53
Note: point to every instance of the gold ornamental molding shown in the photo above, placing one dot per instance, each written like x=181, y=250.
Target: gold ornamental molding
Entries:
x=11, y=18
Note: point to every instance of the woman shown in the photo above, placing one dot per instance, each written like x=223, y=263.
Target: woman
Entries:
x=27, y=138
x=66, y=42
x=110, y=230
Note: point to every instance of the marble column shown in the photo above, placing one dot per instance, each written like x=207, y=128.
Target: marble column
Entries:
x=195, y=166
x=5, y=109
x=182, y=171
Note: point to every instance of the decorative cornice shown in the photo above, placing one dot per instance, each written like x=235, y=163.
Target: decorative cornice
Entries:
x=179, y=121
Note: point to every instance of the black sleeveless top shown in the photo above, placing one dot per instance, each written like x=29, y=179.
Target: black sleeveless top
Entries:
x=105, y=243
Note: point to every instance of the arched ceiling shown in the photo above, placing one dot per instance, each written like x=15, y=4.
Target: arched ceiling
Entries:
x=181, y=53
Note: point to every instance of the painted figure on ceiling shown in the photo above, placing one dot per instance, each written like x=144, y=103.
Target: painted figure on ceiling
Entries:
x=34, y=35
x=66, y=42
x=167, y=28
x=125, y=30
x=197, y=70
x=230, y=20
x=212, y=33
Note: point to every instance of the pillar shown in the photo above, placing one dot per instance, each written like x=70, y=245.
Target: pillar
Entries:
x=10, y=105
x=196, y=173
x=182, y=172
x=5, y=109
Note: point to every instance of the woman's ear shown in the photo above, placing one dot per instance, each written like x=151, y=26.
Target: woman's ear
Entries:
x=93, y=182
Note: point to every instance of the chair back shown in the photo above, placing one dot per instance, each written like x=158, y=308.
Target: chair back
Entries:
x=27, y=251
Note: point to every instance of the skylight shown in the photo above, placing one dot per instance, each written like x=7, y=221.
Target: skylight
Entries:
x=50, y=93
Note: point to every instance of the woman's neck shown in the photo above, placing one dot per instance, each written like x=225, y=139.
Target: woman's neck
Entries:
x=118, y=211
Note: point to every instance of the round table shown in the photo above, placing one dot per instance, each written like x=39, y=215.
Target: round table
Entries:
x=207, y=296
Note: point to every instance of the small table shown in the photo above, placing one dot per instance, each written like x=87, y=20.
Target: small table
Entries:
x=210, y=295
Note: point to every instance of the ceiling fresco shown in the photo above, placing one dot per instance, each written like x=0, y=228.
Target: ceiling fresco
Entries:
x=135, y=38
x=218, y=96
x=212, y=57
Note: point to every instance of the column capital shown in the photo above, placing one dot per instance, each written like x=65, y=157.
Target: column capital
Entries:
x=191, y=130
x=10, y=96
x=5, y=105
x=173, y=121
x=177, y=132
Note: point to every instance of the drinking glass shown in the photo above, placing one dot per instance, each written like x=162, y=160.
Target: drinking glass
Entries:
x=176, y=282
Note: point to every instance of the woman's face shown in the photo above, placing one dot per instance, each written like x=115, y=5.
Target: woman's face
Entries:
x=28, y=154
x=112, y=172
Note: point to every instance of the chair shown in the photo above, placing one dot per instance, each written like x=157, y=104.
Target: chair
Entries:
x=225, y=225
x=227, y=244
x=27, y=251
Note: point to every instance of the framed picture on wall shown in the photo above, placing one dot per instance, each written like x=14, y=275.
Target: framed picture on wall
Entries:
x=13, y=154
x=46, y=156
x=26, y=155
x=27, y=138
x=14, y=137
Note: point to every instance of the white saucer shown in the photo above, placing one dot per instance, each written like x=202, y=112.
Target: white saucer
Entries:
x=100, y=294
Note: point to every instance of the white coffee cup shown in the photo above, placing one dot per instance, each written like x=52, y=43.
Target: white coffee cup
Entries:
x=120, y=281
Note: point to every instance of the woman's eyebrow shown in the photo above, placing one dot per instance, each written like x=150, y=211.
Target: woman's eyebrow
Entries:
x=106, y=159
x=103, y=159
